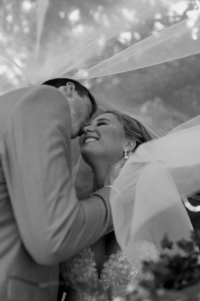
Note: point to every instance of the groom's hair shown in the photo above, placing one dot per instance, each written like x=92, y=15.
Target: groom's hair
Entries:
x=80, y=89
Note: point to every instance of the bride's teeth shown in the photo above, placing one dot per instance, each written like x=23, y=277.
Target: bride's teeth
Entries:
x=90, y=140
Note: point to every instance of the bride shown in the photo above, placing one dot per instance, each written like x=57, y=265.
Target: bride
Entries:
x=106, y=139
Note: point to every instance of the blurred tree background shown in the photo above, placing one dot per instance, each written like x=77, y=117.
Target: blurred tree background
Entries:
x=168, y=93
x=174, y=84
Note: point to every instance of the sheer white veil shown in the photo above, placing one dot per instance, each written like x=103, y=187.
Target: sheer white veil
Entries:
x=160, y=172
x=71, y=60
x=151, y=186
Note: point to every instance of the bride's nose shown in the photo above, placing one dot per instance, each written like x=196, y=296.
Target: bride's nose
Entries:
x=89, y=128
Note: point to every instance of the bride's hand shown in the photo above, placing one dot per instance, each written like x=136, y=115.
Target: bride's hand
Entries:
x=113, y=172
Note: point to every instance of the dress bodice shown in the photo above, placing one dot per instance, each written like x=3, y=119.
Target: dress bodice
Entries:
x=83, y=282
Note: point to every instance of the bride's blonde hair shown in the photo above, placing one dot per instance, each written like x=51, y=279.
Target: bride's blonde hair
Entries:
x=133, y=129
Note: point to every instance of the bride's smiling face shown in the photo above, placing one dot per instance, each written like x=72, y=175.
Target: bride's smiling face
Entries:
x=103, y=139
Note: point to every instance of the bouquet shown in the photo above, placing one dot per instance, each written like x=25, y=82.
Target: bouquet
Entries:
x=172, y=277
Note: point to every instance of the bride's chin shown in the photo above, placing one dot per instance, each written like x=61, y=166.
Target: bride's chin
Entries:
x=88, y=152
x=88, y=157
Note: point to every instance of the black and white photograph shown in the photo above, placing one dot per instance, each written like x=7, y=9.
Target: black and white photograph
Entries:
x=99, y=150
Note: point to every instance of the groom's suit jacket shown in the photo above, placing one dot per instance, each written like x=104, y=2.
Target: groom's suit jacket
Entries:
x=41, y=220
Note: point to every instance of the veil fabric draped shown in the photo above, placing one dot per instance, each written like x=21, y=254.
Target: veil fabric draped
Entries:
x=160, y=172
x=151, y=184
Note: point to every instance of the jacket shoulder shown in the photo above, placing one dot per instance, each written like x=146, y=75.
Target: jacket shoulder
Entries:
x=43, y=91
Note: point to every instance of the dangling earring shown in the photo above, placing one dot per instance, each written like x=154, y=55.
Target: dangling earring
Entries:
x=125, y=154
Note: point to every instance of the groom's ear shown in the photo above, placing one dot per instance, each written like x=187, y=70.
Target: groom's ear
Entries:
x=130, y=145
x=70, y=88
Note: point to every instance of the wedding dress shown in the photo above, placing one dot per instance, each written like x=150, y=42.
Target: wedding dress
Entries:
x=147, y=206
x=84, y=284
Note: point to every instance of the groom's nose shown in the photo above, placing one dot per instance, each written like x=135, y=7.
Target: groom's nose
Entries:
x=81, y=132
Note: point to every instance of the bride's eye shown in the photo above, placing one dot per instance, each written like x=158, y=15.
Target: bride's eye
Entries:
x=101, y=123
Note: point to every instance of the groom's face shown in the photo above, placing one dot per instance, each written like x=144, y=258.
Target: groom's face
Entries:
x=82, y=112
x=80, y=108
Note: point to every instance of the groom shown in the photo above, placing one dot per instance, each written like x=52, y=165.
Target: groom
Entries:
x=41, y=220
